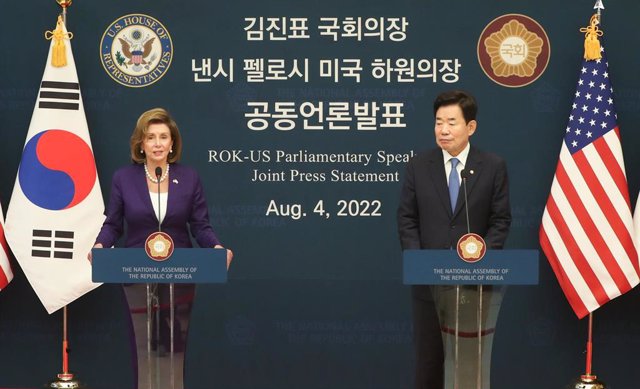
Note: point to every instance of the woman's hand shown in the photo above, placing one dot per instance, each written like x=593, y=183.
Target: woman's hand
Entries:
x=229, y=254
x=95, y=246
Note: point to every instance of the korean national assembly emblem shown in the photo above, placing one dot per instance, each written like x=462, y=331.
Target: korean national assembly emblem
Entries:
x=513, y=50
x=471, y=247
x=136, y=50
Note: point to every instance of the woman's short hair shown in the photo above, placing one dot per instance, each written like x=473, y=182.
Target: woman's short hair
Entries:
x=155, y=116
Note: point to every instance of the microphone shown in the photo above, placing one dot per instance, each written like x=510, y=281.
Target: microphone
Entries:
x=464, y=174
x=158, y=175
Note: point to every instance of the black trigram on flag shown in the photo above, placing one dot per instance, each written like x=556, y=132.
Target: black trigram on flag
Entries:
x=52, y=244
x=59, y=95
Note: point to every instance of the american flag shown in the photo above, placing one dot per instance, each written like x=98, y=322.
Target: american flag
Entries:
x=6, y=274
x=587, y=227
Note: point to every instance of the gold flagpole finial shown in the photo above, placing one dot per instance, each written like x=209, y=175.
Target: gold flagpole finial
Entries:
x=59, y=55
x=64, y=3
x=591, y=39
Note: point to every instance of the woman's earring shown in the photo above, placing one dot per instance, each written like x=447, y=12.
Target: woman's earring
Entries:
x=141, y=151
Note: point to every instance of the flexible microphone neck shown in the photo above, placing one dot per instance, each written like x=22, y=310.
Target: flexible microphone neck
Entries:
x=465, y=174
x=158, y=175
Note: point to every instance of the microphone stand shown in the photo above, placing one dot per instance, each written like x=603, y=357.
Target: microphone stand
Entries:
x=456, y=344
x=158, y=176
x=465, y=174
x=153, y=299
x=456, y=352
x=172, y=319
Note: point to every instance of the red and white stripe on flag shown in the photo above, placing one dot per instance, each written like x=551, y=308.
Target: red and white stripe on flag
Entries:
x=587, y=227
x=6, y=274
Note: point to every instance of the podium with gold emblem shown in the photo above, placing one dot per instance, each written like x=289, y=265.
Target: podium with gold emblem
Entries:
x=468, y=285
x=159, y=285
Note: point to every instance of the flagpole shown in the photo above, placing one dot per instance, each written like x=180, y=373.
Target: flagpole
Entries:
x=65, y=345
x=589, y=346
x=588, y=380
x=64, y=379
x=64, y=4
x=599, y=7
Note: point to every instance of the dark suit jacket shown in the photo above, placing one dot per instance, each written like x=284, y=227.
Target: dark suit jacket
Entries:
x=130, y=201
x=425, y=219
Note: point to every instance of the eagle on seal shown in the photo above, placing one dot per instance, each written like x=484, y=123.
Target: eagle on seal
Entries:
x=138, y=56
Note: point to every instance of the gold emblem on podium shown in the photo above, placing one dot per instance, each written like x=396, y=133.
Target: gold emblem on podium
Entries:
x=159, y=246
x=471, y=248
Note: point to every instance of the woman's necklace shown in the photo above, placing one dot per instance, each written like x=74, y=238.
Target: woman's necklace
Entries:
x=153, y=179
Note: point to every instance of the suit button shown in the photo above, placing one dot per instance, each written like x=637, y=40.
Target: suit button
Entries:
x=453, y=227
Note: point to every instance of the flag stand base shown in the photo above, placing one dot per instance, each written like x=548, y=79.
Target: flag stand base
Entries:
x=588, y=382
x=65, y=381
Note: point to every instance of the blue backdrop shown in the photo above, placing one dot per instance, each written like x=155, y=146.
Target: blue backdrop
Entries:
x=313, y=301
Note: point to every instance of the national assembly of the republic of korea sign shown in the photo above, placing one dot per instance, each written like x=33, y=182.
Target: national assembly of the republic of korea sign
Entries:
x=136, y=50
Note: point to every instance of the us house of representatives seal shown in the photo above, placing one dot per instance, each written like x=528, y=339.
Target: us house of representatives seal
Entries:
x=136, y=50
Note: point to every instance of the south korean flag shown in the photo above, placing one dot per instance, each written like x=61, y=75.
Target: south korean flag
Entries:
x=56, y=208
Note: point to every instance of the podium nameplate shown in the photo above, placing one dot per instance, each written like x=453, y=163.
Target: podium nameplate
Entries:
x=186, y=265
x=444, y=267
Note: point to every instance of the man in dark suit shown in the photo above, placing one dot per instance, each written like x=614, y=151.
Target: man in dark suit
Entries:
x=431, y=213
